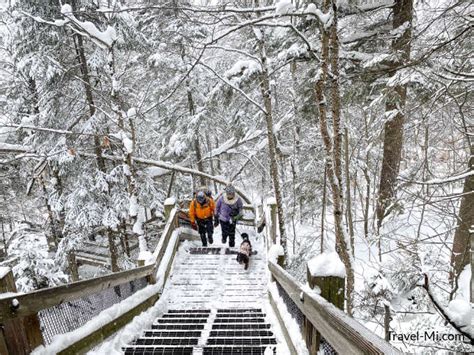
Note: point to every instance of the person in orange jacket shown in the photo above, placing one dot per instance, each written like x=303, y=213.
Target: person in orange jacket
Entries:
x=201, y=212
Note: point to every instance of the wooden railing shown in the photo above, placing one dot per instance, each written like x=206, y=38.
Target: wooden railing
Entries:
x=20, y=325
x=320, y=318
x=343, y=333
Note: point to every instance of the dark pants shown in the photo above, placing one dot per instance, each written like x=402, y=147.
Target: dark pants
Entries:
x=228, y=230
x=205, y=226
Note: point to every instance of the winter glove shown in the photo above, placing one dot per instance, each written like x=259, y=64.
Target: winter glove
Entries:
x=216, y=221
x=235, y=219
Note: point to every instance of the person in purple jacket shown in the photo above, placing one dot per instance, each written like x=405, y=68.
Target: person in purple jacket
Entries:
x=228, y=212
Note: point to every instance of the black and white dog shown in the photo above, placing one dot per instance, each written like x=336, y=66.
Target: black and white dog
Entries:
x=243, y=256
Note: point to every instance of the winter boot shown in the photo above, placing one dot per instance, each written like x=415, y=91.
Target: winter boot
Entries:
x=210, y=239
x=231, y=242
x=204, y=240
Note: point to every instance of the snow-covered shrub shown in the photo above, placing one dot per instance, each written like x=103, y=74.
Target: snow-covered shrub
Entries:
x=34, y=268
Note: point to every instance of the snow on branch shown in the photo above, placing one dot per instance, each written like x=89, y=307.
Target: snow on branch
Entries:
x=173, y=167
x=14, y=148
x=460, y=322
x=104, y=39
x=440, y=181
x=260, y=107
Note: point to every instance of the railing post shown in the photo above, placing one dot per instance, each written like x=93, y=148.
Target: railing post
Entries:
x=332, y=289
x=169, y=204
x=273, y=218
x=19, y=335
x=273, y=228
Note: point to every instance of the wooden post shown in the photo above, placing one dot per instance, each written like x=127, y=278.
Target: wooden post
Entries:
x=169, y=204
x=19, y=335
x=333, y=290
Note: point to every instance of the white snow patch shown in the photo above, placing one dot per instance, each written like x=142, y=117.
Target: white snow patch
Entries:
x=4, y=270
x=132, y=112
x=459, y=311
x=10, y=294
x=138, y=226
x=245, y=68
x=327, y=264
x=146, y=256
x=284, y=7
x=324, y=18
x=170, y=201
x=390, y=115
x=133, y=209
x=375, y=60
x=103, y=39
x=155, y=171
x=275, y=251
x=271, y=201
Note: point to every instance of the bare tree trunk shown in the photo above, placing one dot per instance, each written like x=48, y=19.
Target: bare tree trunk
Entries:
x=124, y=236
x=394, y=109
x=365, y=170
x=4, y=239
x=211, y=163
x=333, y=156
x=130, y=174
x=297, y=144
x=199, y=162
x=72, y=266
x=349, y=220
x=56, y=236
x=192, y=112
x=460, y=256
x=267, y=100
x=218, y=165
x=89, y=97
x=113, y=251
x=323, y=210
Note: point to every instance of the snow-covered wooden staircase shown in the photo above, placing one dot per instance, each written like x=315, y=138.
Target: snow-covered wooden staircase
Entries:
x=186, y=300
x=214, y=305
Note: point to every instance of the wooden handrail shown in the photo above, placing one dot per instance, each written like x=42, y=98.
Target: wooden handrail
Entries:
x=345, y=334
x=32, y=302
x=170, y=226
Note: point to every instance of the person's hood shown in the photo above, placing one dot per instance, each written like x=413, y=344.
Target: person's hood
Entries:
x=230, y=201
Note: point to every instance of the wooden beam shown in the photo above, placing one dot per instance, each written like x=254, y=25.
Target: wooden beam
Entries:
x=33, y=302
x=345, y=334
